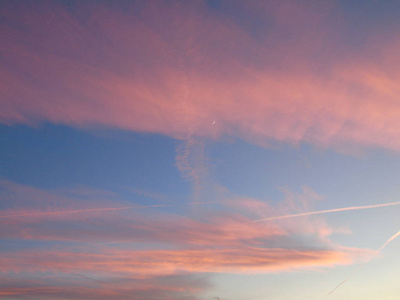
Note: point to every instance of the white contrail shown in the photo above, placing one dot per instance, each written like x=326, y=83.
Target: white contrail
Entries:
x=319, y=212
x=34, y=214
x=388, y=241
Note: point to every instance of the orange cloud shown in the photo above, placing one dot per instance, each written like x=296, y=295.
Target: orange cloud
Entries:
x=142, y=264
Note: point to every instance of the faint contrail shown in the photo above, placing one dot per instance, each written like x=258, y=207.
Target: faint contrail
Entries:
x=96, y=209
x=319, y=212
x=73, y=211
x=344, y=281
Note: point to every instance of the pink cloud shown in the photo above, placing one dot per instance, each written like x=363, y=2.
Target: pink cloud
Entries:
x=151, y=74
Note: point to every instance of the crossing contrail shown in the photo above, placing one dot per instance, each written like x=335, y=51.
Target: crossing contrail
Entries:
x=319, y=212
x=50, y=213
x=377, y=251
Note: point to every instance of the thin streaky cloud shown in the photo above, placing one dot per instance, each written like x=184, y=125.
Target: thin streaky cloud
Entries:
x=319, y=212
x=97, y=209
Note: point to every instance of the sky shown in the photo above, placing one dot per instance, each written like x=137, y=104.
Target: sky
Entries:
x=195, y=150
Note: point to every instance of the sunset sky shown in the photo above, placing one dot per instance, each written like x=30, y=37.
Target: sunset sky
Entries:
x=196, y=150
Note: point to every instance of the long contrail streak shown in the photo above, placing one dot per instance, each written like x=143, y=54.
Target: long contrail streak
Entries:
x=96, y=209
x=319, y=212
